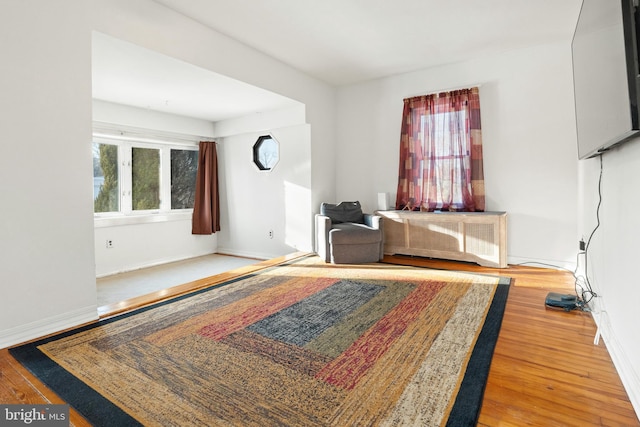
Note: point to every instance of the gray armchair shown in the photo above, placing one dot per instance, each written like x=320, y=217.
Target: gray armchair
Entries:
x=345, y=235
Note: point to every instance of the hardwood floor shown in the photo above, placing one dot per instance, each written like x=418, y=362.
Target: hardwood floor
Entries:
x=546, y=371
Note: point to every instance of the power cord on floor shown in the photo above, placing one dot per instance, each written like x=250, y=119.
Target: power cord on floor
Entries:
x=580, y=304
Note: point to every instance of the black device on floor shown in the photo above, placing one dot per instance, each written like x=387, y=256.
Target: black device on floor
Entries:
x=565, y=302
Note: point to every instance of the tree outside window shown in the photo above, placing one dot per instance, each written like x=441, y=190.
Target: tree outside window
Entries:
x=184, y=167
x=145, y=174
x=106, y=187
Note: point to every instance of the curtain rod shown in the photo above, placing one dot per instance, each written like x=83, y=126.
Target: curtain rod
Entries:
x=451, y=89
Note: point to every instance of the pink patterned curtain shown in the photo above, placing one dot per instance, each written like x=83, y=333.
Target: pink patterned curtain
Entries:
x=441, y=153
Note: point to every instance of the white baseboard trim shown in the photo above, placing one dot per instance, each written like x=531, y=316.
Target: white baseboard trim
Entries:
x=245, y=254
x=49, y=325
x=153, y=263
x=626, y=372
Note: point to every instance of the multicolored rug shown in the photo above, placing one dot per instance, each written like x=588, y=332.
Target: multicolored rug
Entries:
x=300, y=344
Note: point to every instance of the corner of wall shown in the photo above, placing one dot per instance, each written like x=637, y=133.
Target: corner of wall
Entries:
x=623, y=365
x=43, y=327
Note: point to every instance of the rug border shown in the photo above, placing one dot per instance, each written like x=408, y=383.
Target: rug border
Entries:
x=100, y=411
x=471, y=392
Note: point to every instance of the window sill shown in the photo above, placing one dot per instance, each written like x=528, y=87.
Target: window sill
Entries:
x=146, y=218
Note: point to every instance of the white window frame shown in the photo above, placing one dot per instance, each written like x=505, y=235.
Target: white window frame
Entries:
x=127, y=215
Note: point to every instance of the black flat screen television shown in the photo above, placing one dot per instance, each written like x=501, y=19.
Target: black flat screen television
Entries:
x=606, y=75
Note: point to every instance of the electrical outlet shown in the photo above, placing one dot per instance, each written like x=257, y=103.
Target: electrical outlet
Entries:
x=109, y=243
x=271, y=234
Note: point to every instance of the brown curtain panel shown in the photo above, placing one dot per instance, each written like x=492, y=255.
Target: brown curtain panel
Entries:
x=206, y=208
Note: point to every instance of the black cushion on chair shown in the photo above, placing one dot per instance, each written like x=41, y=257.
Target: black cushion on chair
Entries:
x=343, y=212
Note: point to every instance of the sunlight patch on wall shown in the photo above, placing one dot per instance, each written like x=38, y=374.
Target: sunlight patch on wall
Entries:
x=298, y=222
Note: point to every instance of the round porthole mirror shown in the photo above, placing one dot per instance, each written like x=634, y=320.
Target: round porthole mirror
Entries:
x=266, y=153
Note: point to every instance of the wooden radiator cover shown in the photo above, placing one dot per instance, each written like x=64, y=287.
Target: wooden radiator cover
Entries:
x=479, y=237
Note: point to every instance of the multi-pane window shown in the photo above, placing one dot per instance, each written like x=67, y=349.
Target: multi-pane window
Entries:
x=445, y=157
x=184, y=166
x=131, y=177
x=145, y=178
x=441, y=153
x=106, y=178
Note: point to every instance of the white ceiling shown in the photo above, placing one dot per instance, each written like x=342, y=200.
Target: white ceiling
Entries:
x=337, y=41
x=128, y=74
x=347, y=41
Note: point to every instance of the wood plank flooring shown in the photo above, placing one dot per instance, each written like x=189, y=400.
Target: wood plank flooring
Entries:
x=546, y=371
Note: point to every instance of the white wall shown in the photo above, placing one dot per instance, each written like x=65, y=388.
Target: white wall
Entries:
x=133, y=117
x=613, y=255
x=255, y=202
x=147, y=244
x=47, y=279
x=156, y=239
x=261, y=122
x=528, y=141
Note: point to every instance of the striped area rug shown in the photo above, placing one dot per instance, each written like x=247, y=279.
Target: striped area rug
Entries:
x=299, y=344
